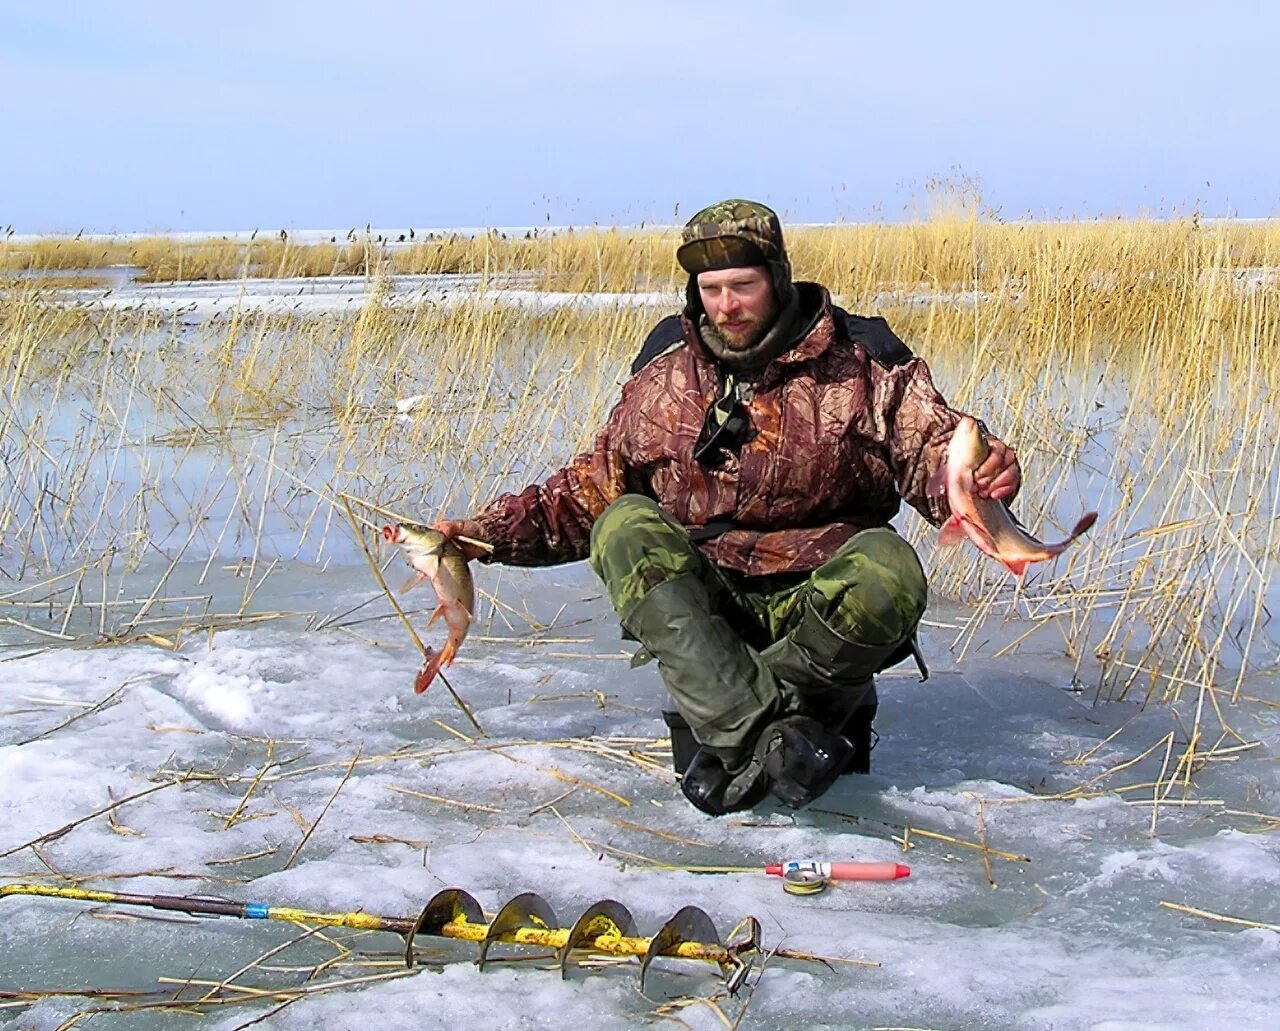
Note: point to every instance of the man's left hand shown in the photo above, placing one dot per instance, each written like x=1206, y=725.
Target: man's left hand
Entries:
x=1000, y=476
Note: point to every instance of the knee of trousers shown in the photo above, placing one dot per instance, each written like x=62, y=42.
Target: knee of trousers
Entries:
x=873, y=590
x=635, y=546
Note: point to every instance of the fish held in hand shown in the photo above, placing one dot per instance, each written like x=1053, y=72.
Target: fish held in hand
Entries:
x=436, y=558
x=985, y=521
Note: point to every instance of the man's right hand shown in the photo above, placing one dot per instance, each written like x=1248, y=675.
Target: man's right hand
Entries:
x=474, y=545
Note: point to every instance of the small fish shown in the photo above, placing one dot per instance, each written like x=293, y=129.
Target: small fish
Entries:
x=436, y=558
x=985, y=521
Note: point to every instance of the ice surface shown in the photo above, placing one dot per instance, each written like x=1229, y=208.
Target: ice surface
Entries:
x=1076, y=937
x=195, y=300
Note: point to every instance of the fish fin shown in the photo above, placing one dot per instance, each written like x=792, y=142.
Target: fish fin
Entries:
x=413, y=582
x=952, y=533
x=428, y=672
x=447, y=653
x=436, y=615
x=1017, y=566
x=936, y=485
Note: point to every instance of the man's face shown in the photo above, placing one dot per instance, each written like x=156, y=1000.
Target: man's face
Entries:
x=739, y=302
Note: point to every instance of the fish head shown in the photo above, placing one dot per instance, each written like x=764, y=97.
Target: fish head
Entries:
x=968, y=447
x=422, y=545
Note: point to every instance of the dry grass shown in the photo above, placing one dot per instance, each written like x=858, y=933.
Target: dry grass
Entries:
x=1122, y=260
x=1133, y=363
x=163, y=259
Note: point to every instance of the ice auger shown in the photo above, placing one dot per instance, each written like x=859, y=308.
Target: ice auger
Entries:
x=606, y=927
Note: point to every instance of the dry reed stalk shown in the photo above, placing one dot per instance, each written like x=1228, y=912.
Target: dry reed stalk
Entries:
x=248, y=856
x=227, y=982
x=231, y=820
x=909, y=830
x=1238, y=921
x=587, y=845
x=316, y=823
x=468, y=806
x=553, y=802
x=578, y=782
x=631, y=825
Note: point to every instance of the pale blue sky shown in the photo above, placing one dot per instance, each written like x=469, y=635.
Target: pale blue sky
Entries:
x=172, y=116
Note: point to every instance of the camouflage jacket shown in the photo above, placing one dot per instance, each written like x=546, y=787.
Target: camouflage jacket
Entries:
x=836, y=441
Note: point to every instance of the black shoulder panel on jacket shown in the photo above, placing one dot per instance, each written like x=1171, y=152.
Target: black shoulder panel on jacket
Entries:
x=873, y=333
x=664, y=336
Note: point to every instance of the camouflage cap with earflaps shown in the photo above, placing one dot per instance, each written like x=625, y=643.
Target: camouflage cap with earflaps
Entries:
x=734, y=234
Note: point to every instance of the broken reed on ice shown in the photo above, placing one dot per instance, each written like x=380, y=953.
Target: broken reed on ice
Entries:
x=1133, y=363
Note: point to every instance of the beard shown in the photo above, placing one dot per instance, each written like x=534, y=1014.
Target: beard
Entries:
x=748, y=332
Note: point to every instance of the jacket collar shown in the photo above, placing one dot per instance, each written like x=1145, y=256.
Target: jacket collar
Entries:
x=818, y=330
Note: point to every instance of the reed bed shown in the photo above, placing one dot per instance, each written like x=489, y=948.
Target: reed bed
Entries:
x=158, y=473
x=1125, y=259
x=162, y=259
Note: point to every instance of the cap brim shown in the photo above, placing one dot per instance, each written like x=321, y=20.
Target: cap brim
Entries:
x=719, y=252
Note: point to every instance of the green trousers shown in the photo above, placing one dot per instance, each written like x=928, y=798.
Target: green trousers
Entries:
x=736, y=652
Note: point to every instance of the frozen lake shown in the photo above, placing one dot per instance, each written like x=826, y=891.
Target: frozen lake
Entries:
x=265, y=692
x=1071, y=935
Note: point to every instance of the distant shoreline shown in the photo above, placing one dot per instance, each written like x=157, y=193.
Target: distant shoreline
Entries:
x=390, y=236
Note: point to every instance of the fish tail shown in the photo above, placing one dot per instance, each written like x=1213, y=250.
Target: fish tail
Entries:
x=1086, y=521
x=429, y=671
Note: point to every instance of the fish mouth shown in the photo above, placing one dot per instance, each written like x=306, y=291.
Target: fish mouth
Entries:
x=391, y=533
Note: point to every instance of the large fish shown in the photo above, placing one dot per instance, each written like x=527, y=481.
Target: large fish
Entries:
x=436, y=558
x=984, y=521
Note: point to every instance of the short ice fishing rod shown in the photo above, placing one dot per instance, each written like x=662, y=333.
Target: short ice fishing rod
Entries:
x=829, y=871
x=841, y=871
x=810, y=877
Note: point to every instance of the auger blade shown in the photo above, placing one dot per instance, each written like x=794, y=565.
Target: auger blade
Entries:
x=446, y=907
x=529, y=910
x=605, y=917
x=745, y=937
x=744, y=940
x=691, y=924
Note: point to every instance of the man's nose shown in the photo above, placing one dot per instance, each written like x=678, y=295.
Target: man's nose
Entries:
x=729, y=301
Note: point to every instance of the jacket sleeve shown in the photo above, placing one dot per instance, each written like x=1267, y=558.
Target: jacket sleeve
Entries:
x=918, y=424
x=549, y=523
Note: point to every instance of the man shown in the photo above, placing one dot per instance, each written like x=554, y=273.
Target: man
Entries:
x=736, y=506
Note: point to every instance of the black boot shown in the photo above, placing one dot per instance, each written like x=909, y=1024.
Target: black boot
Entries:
x=795, y=758
x=683, y=744
x=802, y=759
x=714, y=789
x=859, y=733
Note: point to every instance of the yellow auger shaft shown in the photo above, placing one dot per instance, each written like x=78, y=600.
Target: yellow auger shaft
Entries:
x=557, y=937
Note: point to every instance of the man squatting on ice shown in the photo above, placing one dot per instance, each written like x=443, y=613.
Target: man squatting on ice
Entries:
x=736, y=506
